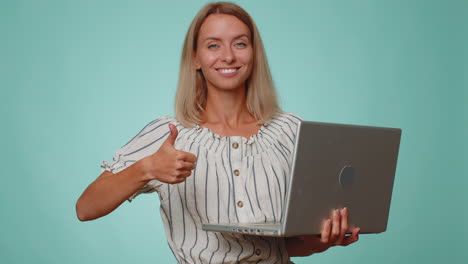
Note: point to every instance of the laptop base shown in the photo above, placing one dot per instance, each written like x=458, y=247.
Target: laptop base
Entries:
x=260, y=229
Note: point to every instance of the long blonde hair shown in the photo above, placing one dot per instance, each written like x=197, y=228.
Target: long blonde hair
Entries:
x=192, y=92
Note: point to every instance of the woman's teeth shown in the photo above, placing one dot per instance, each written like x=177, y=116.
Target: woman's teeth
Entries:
x=227, y=70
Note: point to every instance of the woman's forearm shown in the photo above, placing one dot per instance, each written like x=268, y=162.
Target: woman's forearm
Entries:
x=109, y=191
x=296, y=247
x=304, y=246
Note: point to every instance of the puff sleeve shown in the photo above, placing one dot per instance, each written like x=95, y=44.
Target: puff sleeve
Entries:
x=143, y=144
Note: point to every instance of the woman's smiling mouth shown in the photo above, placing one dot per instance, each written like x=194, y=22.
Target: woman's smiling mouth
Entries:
x=228, y=72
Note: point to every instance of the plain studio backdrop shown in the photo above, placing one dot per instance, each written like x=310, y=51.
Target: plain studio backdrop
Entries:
x=81, y=78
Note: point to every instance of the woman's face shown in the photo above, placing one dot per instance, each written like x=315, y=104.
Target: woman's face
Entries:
x=224, y=52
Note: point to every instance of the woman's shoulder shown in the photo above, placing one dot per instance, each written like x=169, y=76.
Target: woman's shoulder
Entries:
x=282, y=125
x=160, y=123
x=158, y=127
x=285, y=118
x=141, y=144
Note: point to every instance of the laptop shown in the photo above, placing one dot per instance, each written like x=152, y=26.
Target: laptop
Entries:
x=334, y=166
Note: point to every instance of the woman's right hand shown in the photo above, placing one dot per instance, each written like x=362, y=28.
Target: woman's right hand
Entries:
x=168, y=164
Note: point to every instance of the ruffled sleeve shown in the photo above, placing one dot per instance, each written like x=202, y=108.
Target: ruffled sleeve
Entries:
x=143, y=144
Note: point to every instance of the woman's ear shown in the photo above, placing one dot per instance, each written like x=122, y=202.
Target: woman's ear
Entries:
x=196, y=62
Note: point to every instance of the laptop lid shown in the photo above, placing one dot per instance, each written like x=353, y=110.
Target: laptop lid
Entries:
x=338, y=165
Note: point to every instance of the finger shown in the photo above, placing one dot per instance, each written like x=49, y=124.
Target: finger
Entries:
x=189, y=157
x=178, y=180
x=352, y=238
x=335, y=226
x=186, y=166
x=326, y=229
x=344, y=225
x=175, y=179
x=184, y=174
x=186, y=156
x=173, y=135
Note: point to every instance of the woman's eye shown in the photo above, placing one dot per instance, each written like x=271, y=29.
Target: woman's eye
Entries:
x=212, y=46
x=241, y=44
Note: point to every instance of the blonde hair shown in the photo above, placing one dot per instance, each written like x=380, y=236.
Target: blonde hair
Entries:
x=192, y=92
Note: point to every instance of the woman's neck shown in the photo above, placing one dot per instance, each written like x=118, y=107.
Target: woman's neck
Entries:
x=226, y=113
x=227, y=107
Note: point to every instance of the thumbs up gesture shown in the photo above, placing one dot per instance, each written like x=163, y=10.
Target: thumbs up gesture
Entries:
x=168, y=164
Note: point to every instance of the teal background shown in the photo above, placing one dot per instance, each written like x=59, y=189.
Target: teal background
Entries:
x=80, y=78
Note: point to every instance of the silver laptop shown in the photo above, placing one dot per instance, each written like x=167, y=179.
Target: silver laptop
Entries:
x=334, y=166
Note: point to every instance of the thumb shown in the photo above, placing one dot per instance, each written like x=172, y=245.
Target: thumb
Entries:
x=173, y=136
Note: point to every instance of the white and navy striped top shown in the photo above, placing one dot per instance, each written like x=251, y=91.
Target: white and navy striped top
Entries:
x=235, y=181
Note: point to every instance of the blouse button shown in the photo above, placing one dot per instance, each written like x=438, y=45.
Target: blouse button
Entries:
x=240, y=204
x=237, y=172
x=258, y=251
x=235, y=145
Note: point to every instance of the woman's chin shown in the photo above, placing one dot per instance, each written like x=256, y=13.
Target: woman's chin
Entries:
x=227, y=88
x=227, y=85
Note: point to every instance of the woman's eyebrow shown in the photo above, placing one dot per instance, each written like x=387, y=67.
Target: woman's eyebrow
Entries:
x=218, y=39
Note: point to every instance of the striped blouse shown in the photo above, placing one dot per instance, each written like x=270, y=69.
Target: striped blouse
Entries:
x=235, y=181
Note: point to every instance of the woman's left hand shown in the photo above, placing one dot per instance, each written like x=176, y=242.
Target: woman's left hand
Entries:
x=333, y=233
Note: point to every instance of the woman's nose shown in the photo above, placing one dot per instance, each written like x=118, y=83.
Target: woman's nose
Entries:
x=228, y=55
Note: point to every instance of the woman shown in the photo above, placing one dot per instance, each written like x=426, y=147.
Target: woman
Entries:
x=224, y=158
